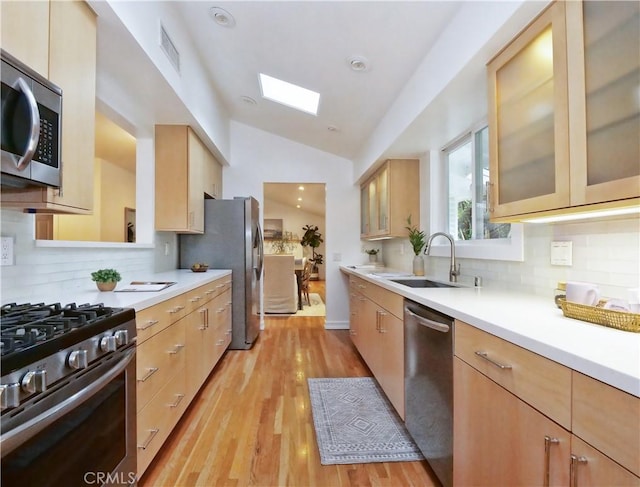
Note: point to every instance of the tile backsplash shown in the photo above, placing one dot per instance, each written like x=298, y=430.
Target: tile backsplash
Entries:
x=40, y=271
x=606, y=253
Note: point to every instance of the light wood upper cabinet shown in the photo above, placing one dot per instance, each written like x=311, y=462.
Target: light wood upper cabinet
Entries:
x=71, y=58
x=212, y=176
x=604, y=76
x=389, y=197
x=564, y=115
x=179, y=179
x=528, y=120
x=25, y=33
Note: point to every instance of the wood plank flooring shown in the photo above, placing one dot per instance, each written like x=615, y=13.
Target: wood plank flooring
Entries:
x=251, y=423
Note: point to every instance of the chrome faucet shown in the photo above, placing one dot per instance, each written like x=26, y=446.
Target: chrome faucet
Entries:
x=454, y=271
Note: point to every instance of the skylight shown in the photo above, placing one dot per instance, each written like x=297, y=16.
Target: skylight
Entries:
x=288, y=94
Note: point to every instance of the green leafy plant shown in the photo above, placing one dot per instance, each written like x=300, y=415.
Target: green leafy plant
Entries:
x=417, y=237
x=312, y=238
x=106, y=275
x=371, y=251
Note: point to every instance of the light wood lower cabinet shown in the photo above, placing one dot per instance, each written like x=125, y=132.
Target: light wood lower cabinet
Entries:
x=522, y=419
x=179, y=343
x=499, y=440
x=378, y=334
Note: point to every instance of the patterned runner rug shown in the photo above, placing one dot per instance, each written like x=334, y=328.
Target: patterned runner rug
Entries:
x=355, y=423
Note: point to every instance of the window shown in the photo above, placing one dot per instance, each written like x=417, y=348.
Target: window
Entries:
x=458, y=201
x=468, y=168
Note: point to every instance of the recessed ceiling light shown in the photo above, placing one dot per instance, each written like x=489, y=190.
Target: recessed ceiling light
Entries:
x=288, y=94
x=297, y=206
x=358, y=63
x=222, y=17
x=248, y=100
x=299, y=199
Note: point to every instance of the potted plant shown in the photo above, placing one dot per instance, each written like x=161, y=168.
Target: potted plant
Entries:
x=417, y=241
x=373, y=254
x=106, y=279
x=313, y=238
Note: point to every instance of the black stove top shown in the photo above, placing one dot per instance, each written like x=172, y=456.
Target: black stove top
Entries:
x=29, y=332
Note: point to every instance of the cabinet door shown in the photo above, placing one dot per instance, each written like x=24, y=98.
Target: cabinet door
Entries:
x=196, y=168
x=212, y=175
x=499, y=440
x=604, y=69
x=390, y=371
x=528, y=119
x=590, y=468
x=72, y=66
x=373, y=207
x=382, y=224
x=364, y=210
x=197, y=338
x=25, y=33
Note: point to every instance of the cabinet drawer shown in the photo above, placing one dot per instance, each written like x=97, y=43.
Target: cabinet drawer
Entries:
x=153, y=320
x=156, y=420
x=608, y=419
x=544, y=384
x=388, y=300
x=157, y=360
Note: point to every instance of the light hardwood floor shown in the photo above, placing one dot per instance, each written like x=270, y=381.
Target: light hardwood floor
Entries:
x=251, y=423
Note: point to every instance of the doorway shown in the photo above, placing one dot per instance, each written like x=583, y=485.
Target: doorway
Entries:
x=289, y=209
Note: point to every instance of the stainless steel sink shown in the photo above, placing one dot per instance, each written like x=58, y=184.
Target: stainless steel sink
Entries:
x=421, y=283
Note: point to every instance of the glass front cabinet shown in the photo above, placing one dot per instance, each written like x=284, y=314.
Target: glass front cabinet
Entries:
x=564, y=111
x=388, y=197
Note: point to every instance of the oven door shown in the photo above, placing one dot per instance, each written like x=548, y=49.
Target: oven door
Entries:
x=81, y=433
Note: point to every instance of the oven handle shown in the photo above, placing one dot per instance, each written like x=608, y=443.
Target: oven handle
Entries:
x=14, y=438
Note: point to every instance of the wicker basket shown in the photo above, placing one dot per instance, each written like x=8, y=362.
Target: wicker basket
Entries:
x=600, y=316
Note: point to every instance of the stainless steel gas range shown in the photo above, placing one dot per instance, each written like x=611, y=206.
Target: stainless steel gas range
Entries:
x=67, y=395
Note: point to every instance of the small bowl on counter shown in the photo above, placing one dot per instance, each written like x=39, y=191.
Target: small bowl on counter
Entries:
x=199, y=267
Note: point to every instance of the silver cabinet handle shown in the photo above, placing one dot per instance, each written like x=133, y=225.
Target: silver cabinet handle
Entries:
x=548, y=441
x=178, y=347
x=34, y=129
x=150, y=372
x=485, y=356
x=195, y=299
x=149, y=324
x=179, y=397
x=573, y=469
x=381, y=315
x=203, y=312
x=152, y=435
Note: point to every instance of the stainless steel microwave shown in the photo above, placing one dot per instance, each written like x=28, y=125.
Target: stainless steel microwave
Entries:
x=31, y=126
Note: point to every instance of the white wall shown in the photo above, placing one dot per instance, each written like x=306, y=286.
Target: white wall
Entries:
x=258, y=156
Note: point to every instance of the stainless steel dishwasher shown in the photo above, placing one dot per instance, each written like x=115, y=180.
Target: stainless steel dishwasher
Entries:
x=428, y=372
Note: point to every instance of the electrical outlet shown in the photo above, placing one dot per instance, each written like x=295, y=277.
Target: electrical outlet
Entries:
x=6, y=251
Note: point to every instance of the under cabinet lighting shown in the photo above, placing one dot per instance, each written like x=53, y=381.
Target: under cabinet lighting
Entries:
x=582, y=216
x=288, y=94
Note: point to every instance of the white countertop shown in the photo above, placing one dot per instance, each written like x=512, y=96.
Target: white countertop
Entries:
x=185, y=280
x=535, y=323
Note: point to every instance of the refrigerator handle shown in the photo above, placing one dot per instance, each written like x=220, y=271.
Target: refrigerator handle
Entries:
x=260, y=247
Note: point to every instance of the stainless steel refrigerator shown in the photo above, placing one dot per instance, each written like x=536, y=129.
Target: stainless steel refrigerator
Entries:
x=232, y=239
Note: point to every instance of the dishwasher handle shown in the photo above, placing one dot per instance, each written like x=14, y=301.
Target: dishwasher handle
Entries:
x=434, y=325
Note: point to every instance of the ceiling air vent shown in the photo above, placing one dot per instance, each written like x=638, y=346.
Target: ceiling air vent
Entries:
x=169, y=48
